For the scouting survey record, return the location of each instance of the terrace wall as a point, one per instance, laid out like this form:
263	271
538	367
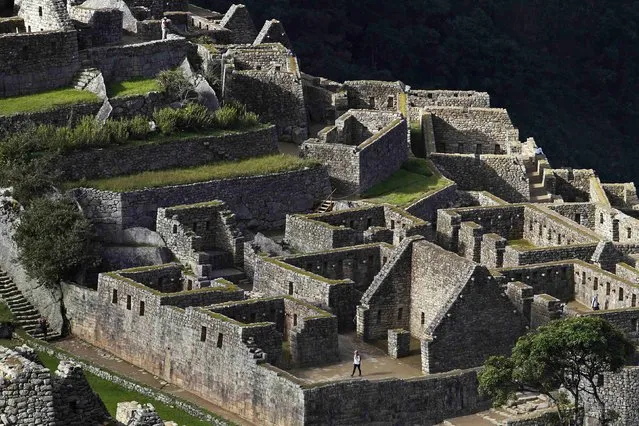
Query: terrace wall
176	153
37	61
259	202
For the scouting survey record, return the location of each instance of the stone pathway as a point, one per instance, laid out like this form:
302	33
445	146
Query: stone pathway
110	362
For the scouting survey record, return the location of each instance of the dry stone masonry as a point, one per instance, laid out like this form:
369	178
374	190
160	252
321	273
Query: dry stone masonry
265	326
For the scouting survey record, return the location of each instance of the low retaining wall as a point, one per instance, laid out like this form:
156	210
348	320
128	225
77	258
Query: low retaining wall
195	151
259	202
62	116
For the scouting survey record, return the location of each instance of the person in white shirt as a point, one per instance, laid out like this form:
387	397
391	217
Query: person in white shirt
357	361
165	23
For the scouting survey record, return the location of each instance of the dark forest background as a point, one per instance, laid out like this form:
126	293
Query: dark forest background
567	71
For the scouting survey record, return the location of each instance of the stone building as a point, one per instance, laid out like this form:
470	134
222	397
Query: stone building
502	242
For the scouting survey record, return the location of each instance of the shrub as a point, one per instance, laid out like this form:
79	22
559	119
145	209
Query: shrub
86	133
227	117
166	119
116	131
249	119
175	84
54	240
139	128
30	179
195	117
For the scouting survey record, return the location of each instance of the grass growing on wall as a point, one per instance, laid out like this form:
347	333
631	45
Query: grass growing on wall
223	170
410	183
133	87
45	101
522	244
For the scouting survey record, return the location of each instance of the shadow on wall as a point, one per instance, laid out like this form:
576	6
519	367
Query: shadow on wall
266	97
498	174
448	138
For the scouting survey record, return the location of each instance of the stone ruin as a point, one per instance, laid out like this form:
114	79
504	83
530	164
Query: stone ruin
426	290
31	394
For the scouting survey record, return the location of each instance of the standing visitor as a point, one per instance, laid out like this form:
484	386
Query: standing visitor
357	361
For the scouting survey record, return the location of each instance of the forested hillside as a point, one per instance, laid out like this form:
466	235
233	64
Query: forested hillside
568	71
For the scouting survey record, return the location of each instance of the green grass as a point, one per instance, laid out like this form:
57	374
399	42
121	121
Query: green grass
45	101
410	183
5	313
251	167
522	244
49	361
133	87
111	394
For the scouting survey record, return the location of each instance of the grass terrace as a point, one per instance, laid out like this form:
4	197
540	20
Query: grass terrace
135	87
413	181
230	169
45	101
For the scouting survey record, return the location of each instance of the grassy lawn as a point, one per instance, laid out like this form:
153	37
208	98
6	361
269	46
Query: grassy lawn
45	101
410	183
5	312
111	394
133	87
229	169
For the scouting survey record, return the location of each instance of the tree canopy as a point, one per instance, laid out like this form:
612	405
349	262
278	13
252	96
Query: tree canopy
571	354
54	240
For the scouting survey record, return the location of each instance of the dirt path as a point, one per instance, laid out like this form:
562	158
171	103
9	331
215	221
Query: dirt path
108	361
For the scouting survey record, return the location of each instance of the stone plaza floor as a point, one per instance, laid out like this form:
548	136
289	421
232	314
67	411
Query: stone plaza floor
376	364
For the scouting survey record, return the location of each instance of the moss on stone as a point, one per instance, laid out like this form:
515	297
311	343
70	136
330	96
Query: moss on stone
301	271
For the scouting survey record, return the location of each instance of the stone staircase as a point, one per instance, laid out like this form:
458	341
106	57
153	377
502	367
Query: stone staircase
538	193
525	406
326	206
84	77
25	314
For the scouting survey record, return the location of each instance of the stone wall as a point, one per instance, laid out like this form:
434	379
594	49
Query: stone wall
206	227
357	263
30	394
45	15
545	228
502	175
119	63
613	291
386	304
12	25
573	184
38	61
277	96
522	256
371	94
259	202
383	156
61	116
178	153
106	24
421	400
305	234
273	277
459	311
472	130
192	348
238	20
131	106
451	98
619	392
555	279
426	208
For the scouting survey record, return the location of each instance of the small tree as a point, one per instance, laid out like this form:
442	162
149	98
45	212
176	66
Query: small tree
176	85
54	240
570	354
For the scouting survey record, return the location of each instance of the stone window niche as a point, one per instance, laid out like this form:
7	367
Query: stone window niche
620	295
114	297
128	302
220	340
203	334
290	288
141	308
